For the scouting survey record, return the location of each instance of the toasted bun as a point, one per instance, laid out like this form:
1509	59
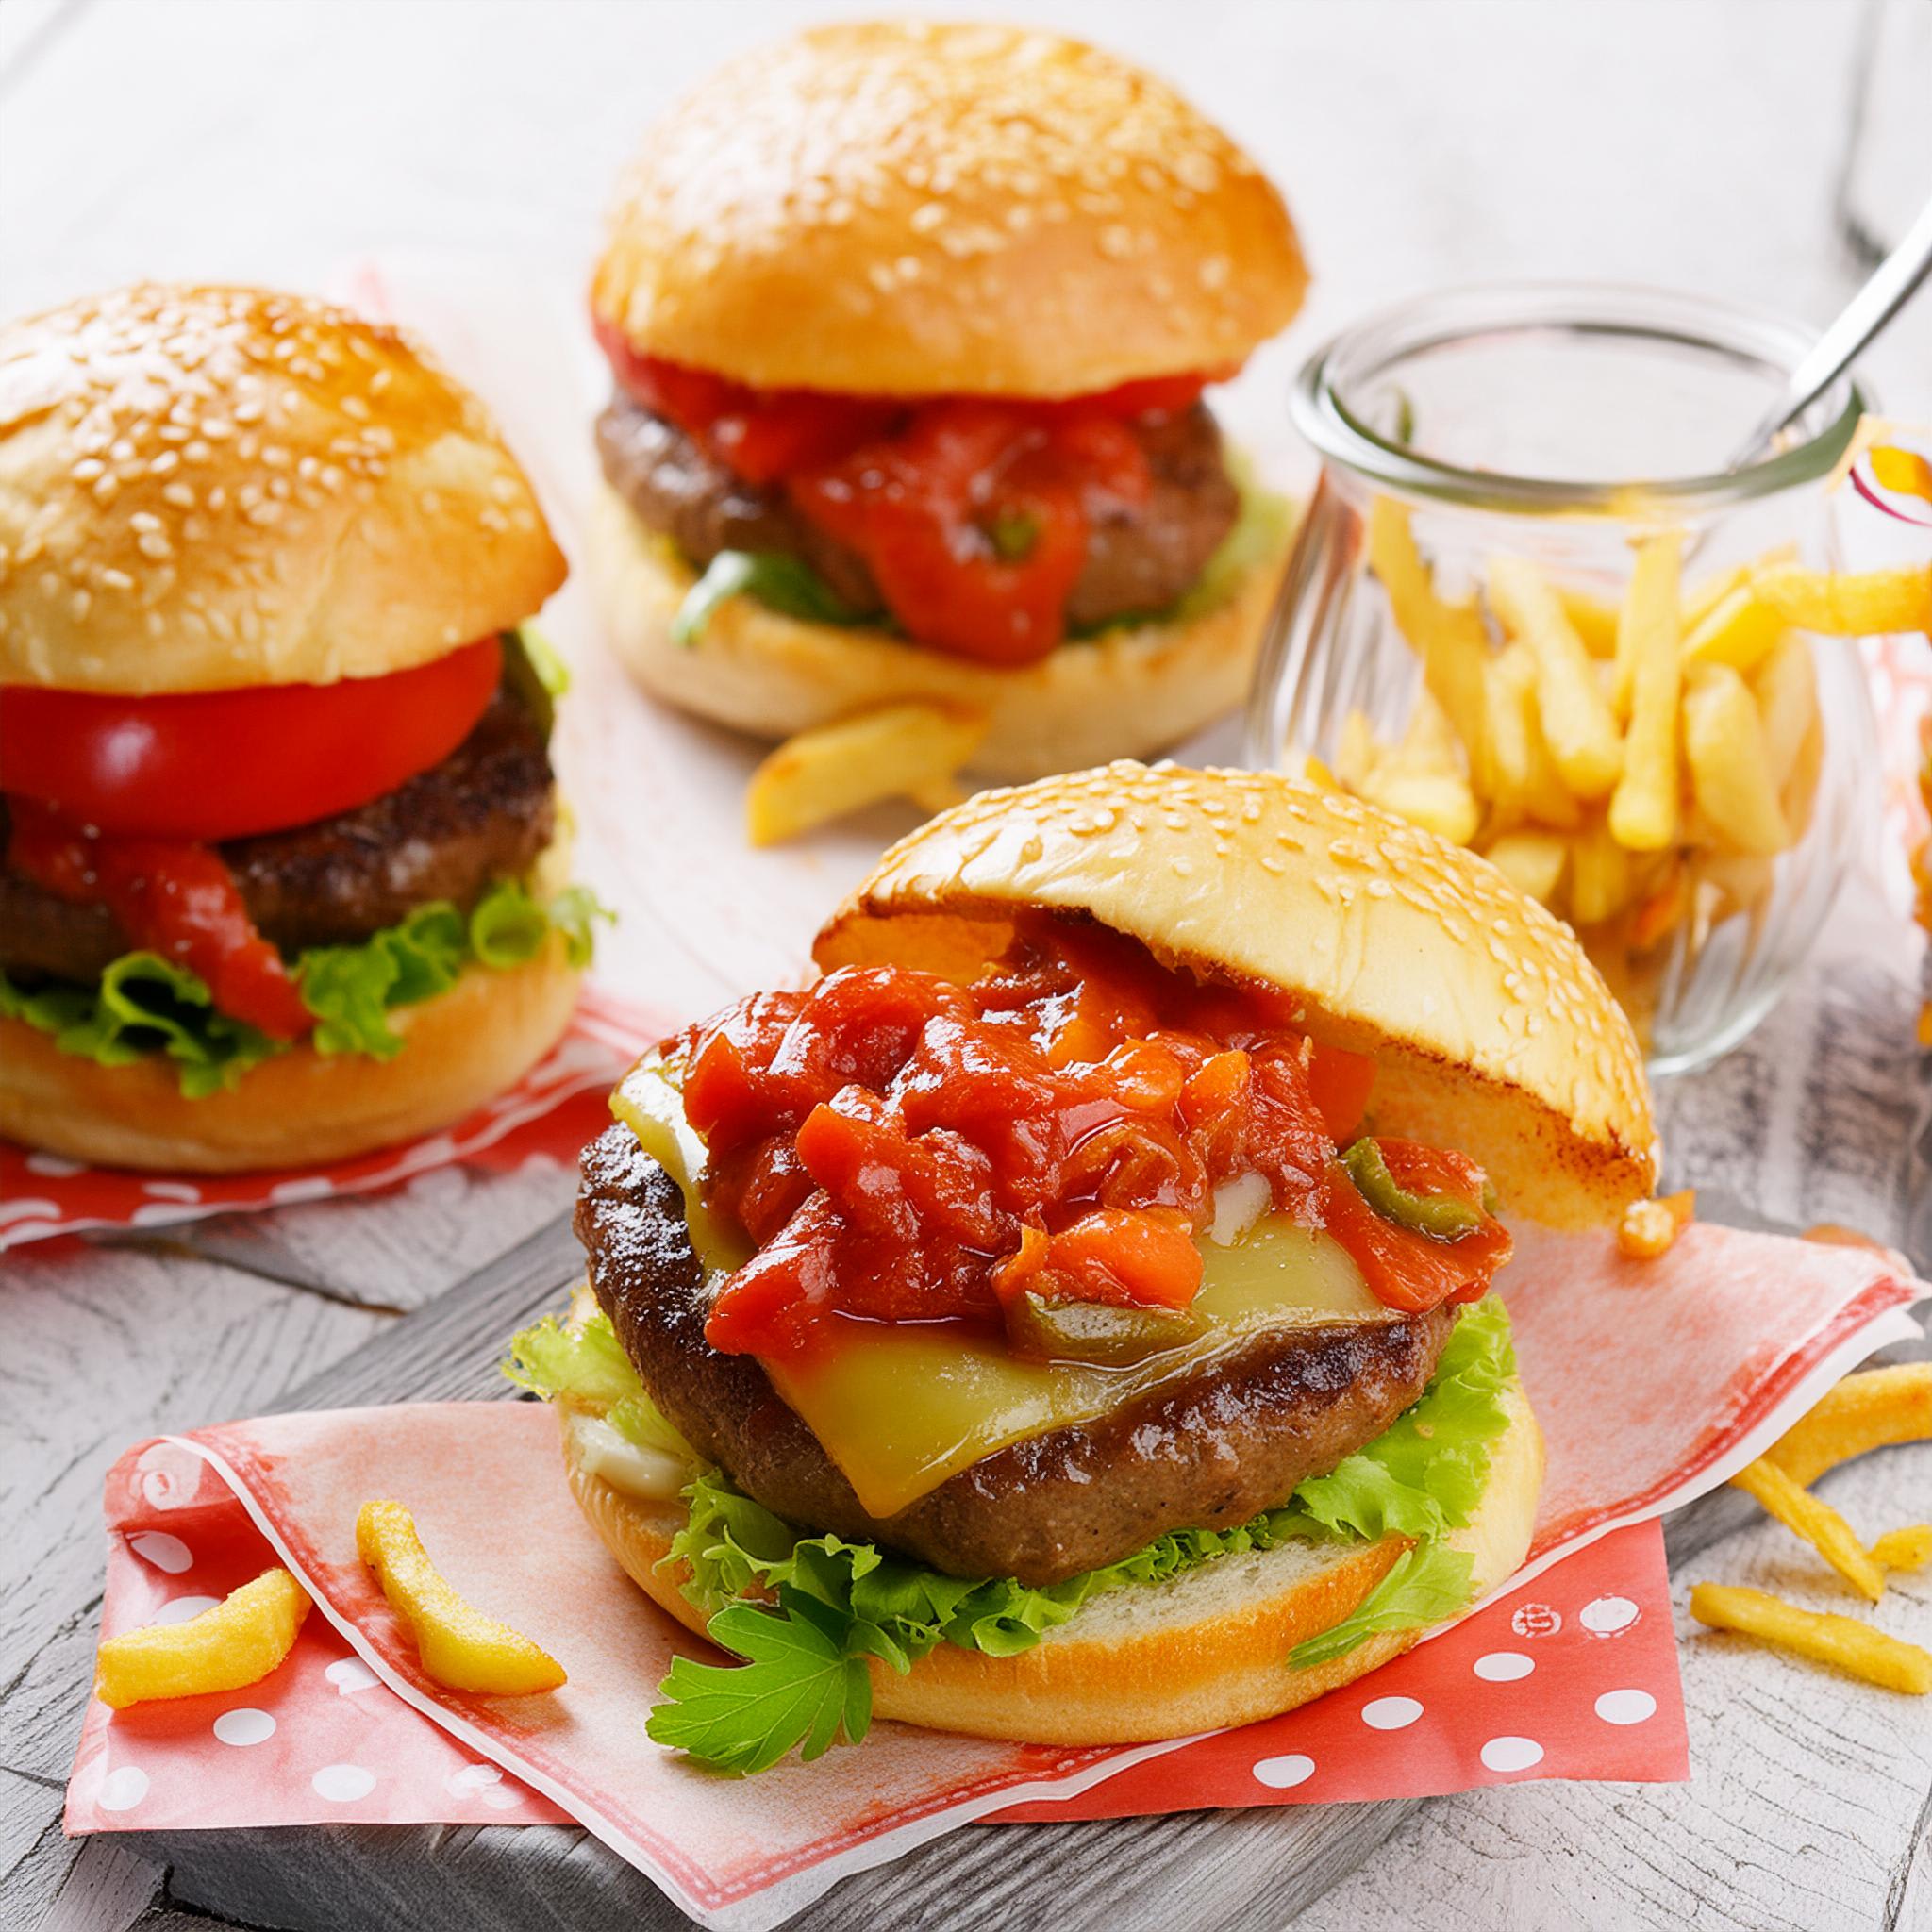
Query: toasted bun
1129	691
1492	1032
205	488
464	1048
1158	1661
909	208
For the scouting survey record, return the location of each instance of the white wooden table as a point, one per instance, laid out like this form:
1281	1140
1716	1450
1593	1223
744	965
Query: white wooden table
1687	142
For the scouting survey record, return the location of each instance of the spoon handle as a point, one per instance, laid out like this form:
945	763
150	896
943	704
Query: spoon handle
1885	293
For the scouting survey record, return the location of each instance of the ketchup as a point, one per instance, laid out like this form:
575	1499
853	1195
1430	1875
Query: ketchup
972	513
904	1149
173	897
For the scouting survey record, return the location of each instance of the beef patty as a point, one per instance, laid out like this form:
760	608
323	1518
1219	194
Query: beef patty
1139	558
1208	1451
483	814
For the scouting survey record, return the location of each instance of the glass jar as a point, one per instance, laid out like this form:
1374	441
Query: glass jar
1493	453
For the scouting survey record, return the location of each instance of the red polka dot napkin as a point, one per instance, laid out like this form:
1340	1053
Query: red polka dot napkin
544	1120
1653	1381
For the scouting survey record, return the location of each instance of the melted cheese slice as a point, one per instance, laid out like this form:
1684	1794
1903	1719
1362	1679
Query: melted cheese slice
900	1407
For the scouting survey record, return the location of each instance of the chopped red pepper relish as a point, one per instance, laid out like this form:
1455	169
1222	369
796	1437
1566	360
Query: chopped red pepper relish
971	512
903	1149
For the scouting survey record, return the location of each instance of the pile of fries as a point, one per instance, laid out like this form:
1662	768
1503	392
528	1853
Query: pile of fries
1862	1412
1637	767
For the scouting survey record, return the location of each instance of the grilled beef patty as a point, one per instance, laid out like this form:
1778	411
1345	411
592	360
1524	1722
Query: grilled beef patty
1208	1451
1140	559
483	814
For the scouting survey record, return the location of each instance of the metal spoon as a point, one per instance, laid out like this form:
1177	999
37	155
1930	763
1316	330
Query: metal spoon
1890	287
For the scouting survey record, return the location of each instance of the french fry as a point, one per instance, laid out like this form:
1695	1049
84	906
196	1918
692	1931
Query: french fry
1741	880
898	751
1448	638
1523	775
1644	807
1576	717
1662	910
1602	883
236	1643
1439	802
1534	862
1724	745
1849	604
1869	1410
459	1647
1701	599
1905	1549
1591	618
1355	750
1817	1522
1740	632
1842	1641
1648	1228
1785	687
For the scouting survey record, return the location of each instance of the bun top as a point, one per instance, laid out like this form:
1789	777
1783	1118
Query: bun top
911	208
1491	1031
204	488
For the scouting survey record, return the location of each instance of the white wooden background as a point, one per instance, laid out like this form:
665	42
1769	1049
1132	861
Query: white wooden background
1696	142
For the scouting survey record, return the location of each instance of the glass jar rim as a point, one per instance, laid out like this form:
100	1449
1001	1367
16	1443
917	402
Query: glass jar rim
1390	336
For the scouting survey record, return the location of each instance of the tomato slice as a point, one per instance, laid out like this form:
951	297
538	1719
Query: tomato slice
224	764
1403	1267
173	898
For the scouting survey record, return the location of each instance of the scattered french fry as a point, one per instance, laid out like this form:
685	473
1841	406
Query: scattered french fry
460	1648
898	751
1724	745
1534	862
1903	1549
1817	1522
237	1643
1644	807
1865	604
1648	1228
1576	717
1841	1641
1869	1410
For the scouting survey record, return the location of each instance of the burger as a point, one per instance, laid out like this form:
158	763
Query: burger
910	326
1069	1318
281	877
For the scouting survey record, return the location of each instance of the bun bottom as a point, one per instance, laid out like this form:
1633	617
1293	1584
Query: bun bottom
464	1048
1124	693
1204	1651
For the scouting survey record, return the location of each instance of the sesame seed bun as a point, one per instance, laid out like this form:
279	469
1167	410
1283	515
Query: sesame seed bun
1491	1031
1133	690
912	208
1202	1652
301	1109
208	488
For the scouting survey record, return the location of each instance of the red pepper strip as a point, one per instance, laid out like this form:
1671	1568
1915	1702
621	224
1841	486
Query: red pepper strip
172	897
1121	1257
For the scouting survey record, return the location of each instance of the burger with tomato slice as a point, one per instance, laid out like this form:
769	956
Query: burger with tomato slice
1071	1318
910	326
280	874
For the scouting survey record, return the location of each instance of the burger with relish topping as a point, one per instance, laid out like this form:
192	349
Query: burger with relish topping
910	326
280	872
1070	1317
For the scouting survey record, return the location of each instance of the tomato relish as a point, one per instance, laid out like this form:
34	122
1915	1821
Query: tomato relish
904	1149
972	513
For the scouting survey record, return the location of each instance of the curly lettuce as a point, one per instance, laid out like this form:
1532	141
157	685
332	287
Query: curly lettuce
807	1612
143	1004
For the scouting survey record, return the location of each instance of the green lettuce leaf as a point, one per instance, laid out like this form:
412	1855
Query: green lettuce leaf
586	1364
143	1004
785	584
1422	1477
